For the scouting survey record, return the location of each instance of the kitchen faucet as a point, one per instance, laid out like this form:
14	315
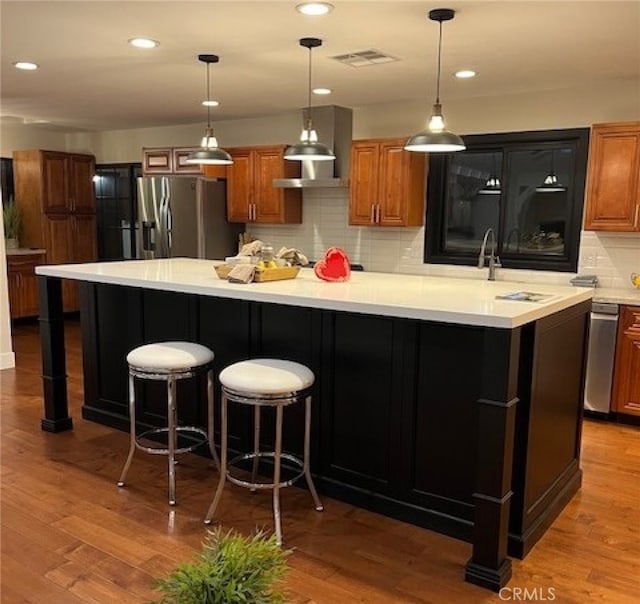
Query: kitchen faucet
494	261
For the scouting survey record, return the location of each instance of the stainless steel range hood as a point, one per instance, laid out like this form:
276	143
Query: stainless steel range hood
334	127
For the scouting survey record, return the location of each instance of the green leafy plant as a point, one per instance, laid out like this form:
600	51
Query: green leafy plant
231	569
12	220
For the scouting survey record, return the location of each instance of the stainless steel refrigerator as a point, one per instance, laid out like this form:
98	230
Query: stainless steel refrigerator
182	216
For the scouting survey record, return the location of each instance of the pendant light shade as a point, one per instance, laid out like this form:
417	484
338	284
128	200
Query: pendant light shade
209	152
436	139
551	184
309	147
493	186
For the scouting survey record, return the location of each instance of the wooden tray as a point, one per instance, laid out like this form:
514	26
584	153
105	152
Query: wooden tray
263	274
276	274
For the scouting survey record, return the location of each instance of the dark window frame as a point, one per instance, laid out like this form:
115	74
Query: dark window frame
577	138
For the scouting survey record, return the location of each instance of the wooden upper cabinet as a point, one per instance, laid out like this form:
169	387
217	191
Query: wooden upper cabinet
55	182
363	179
626	381
157	160
82	169
251	196
613	189
169	161
180	165
240	186
210	171
387	184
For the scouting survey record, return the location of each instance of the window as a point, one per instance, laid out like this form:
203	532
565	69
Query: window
526	186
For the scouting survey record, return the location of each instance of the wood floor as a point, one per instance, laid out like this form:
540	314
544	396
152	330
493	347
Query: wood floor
69	535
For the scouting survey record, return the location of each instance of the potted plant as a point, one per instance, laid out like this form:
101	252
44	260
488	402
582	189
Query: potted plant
12	220
230	569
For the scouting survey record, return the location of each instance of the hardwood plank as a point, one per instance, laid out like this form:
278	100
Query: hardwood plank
70	535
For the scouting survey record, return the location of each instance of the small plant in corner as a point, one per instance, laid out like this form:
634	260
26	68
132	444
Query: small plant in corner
12	220
230	569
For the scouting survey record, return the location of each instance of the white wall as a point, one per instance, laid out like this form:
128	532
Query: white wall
325	212
7	357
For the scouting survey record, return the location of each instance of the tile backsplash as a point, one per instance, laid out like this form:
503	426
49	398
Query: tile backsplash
611	256
400	250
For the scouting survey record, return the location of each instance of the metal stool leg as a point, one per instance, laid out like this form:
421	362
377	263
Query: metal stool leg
276	476
223	460
307	447
132	430
256	444
210	403
171	417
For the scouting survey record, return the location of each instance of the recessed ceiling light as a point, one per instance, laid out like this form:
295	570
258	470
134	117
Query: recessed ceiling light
314	8
143	42
26	65
464	74
210	103
322	91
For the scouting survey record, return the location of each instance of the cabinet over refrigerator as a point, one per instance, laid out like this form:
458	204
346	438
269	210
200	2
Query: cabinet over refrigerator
184	216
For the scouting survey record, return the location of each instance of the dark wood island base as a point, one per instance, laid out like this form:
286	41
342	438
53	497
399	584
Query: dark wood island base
468	430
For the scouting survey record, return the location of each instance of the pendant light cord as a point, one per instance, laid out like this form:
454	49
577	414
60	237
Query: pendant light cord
208	99
309	94
439	63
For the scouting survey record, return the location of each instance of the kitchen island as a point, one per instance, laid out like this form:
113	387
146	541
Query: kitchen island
435	401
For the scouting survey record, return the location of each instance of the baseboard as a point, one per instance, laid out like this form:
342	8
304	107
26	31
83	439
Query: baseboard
7	360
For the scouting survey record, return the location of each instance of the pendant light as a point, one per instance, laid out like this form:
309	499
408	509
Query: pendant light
435	139
551	184
309	147
493	186
209	152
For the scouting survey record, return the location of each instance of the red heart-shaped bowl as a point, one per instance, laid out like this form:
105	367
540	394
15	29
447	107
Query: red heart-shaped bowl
334	267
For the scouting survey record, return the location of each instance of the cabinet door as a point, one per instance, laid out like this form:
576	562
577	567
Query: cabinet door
614	178
364	182
214	171
180	165
157	160
240	186
274	205
29	287
15	299
393	170
82	193
84	238
59	238
55	182
626	382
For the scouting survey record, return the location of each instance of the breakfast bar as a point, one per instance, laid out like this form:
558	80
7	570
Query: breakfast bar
453	404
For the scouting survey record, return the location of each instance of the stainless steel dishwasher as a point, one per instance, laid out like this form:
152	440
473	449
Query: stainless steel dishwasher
601	352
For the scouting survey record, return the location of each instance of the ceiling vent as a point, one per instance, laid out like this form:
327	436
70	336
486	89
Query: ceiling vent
363	58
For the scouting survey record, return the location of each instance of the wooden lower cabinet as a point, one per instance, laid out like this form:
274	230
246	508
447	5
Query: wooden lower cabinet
626	380
23	284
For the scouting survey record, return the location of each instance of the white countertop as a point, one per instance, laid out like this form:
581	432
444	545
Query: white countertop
24	251
618	296
446	300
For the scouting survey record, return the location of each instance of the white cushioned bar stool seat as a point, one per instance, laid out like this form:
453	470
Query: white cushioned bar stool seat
266	383
169	361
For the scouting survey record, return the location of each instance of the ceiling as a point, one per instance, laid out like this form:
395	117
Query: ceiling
91	79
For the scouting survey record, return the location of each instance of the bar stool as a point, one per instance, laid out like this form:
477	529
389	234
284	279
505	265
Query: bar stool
169	361
266	383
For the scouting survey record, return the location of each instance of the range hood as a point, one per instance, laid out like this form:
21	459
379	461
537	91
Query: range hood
334	127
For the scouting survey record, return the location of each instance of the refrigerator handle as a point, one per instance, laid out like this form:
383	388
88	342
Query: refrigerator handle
148	236
165	220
